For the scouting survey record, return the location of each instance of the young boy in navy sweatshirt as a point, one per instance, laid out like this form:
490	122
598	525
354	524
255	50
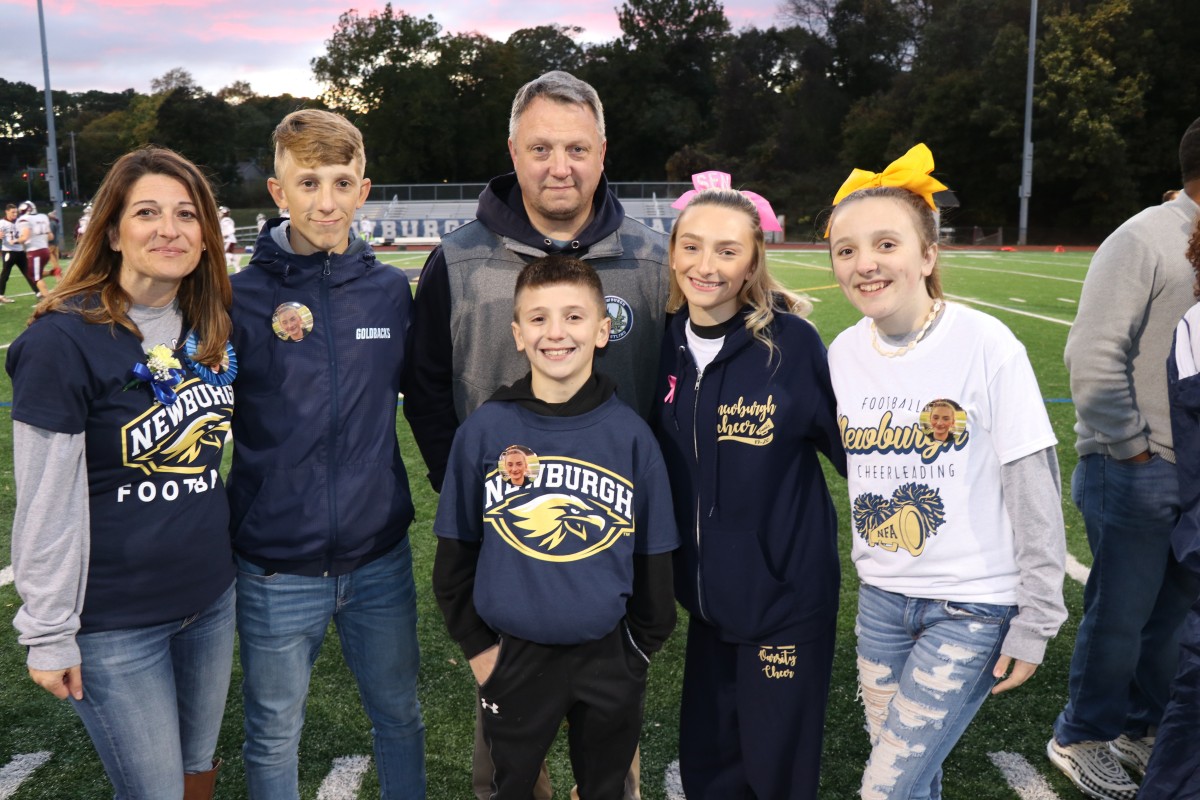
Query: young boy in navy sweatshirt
555	532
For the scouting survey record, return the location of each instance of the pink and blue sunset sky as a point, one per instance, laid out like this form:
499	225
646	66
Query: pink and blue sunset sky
114	45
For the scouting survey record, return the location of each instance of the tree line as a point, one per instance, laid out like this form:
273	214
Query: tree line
787	110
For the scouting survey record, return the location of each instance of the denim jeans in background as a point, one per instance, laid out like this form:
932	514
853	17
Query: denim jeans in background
1134	602
925	668
282	621
153	698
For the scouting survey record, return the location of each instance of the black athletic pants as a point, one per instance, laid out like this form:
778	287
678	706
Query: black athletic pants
15	258
598	687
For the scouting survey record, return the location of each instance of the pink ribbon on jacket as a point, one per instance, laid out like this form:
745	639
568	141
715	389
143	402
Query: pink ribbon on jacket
723	180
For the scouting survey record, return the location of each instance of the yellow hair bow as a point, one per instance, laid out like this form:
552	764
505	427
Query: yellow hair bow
910	171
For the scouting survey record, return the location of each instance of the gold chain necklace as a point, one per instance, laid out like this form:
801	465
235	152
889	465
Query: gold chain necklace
933	312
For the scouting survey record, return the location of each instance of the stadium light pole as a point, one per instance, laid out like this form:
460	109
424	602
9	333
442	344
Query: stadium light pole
52	144
1027	152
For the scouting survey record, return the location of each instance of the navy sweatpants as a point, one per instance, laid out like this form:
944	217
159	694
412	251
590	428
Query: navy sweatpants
752	716
1174	770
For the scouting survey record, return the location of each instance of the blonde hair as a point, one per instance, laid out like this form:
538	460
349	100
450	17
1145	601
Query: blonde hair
204	294
925	220
761	291
315	138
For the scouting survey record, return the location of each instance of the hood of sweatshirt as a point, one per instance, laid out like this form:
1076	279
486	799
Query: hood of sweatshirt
273	253
502	210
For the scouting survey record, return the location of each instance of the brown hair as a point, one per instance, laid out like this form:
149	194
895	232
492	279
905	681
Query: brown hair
317	138
204	294
557	269
761	291
924	220
1193	256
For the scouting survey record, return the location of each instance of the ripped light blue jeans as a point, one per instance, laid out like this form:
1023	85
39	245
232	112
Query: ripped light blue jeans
924	670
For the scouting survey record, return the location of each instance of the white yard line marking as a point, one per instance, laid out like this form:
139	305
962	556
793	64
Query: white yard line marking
672	782
1076	569
1013	272
1022	777
17	771
975	302
824	268
1065	300
344	780
1016	300
6	575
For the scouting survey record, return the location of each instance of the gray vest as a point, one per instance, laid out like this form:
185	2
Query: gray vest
482	269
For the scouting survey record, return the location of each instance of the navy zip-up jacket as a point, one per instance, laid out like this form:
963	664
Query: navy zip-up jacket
758	533
317	486
1184	394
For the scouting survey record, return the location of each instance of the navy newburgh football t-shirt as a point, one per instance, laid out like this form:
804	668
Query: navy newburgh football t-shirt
159	518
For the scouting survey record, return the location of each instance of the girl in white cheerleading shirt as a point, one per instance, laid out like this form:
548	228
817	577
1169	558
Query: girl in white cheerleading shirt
954	489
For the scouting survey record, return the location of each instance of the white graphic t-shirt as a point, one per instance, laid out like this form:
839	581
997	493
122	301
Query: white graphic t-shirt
925	435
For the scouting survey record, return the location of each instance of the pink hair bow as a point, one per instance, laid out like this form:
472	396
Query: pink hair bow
722	180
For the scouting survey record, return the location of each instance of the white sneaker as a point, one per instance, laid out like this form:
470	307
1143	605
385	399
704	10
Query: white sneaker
1093	768
1133	753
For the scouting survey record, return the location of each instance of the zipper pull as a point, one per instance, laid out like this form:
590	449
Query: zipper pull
326	270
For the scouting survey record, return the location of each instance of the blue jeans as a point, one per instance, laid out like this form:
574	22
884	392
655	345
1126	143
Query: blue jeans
282	621
153	698
924	669
1133	605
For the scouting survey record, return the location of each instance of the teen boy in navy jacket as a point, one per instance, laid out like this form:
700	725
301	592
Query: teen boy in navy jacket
318	495
554	513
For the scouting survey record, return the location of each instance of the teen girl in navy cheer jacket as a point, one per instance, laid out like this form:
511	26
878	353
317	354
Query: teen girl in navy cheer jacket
744	405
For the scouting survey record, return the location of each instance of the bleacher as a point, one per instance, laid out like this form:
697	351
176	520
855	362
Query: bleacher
419	215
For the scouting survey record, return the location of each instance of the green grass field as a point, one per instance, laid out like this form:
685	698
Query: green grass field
1035	294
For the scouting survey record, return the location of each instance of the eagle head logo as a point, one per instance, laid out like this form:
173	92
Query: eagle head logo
551	517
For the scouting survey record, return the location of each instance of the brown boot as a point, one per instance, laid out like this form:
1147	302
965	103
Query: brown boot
201	785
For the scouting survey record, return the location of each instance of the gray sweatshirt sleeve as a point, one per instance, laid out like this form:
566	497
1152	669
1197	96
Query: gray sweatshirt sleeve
1033	498
51	540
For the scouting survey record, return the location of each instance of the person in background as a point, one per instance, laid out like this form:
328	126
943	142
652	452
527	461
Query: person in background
13	253
1137	288
1173	771
229	234
34	234
55	238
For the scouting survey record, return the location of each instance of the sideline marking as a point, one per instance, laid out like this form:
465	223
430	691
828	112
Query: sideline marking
6	575
673	783
17	771
1014	272
1022	777
344	780
1076	569
975	302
